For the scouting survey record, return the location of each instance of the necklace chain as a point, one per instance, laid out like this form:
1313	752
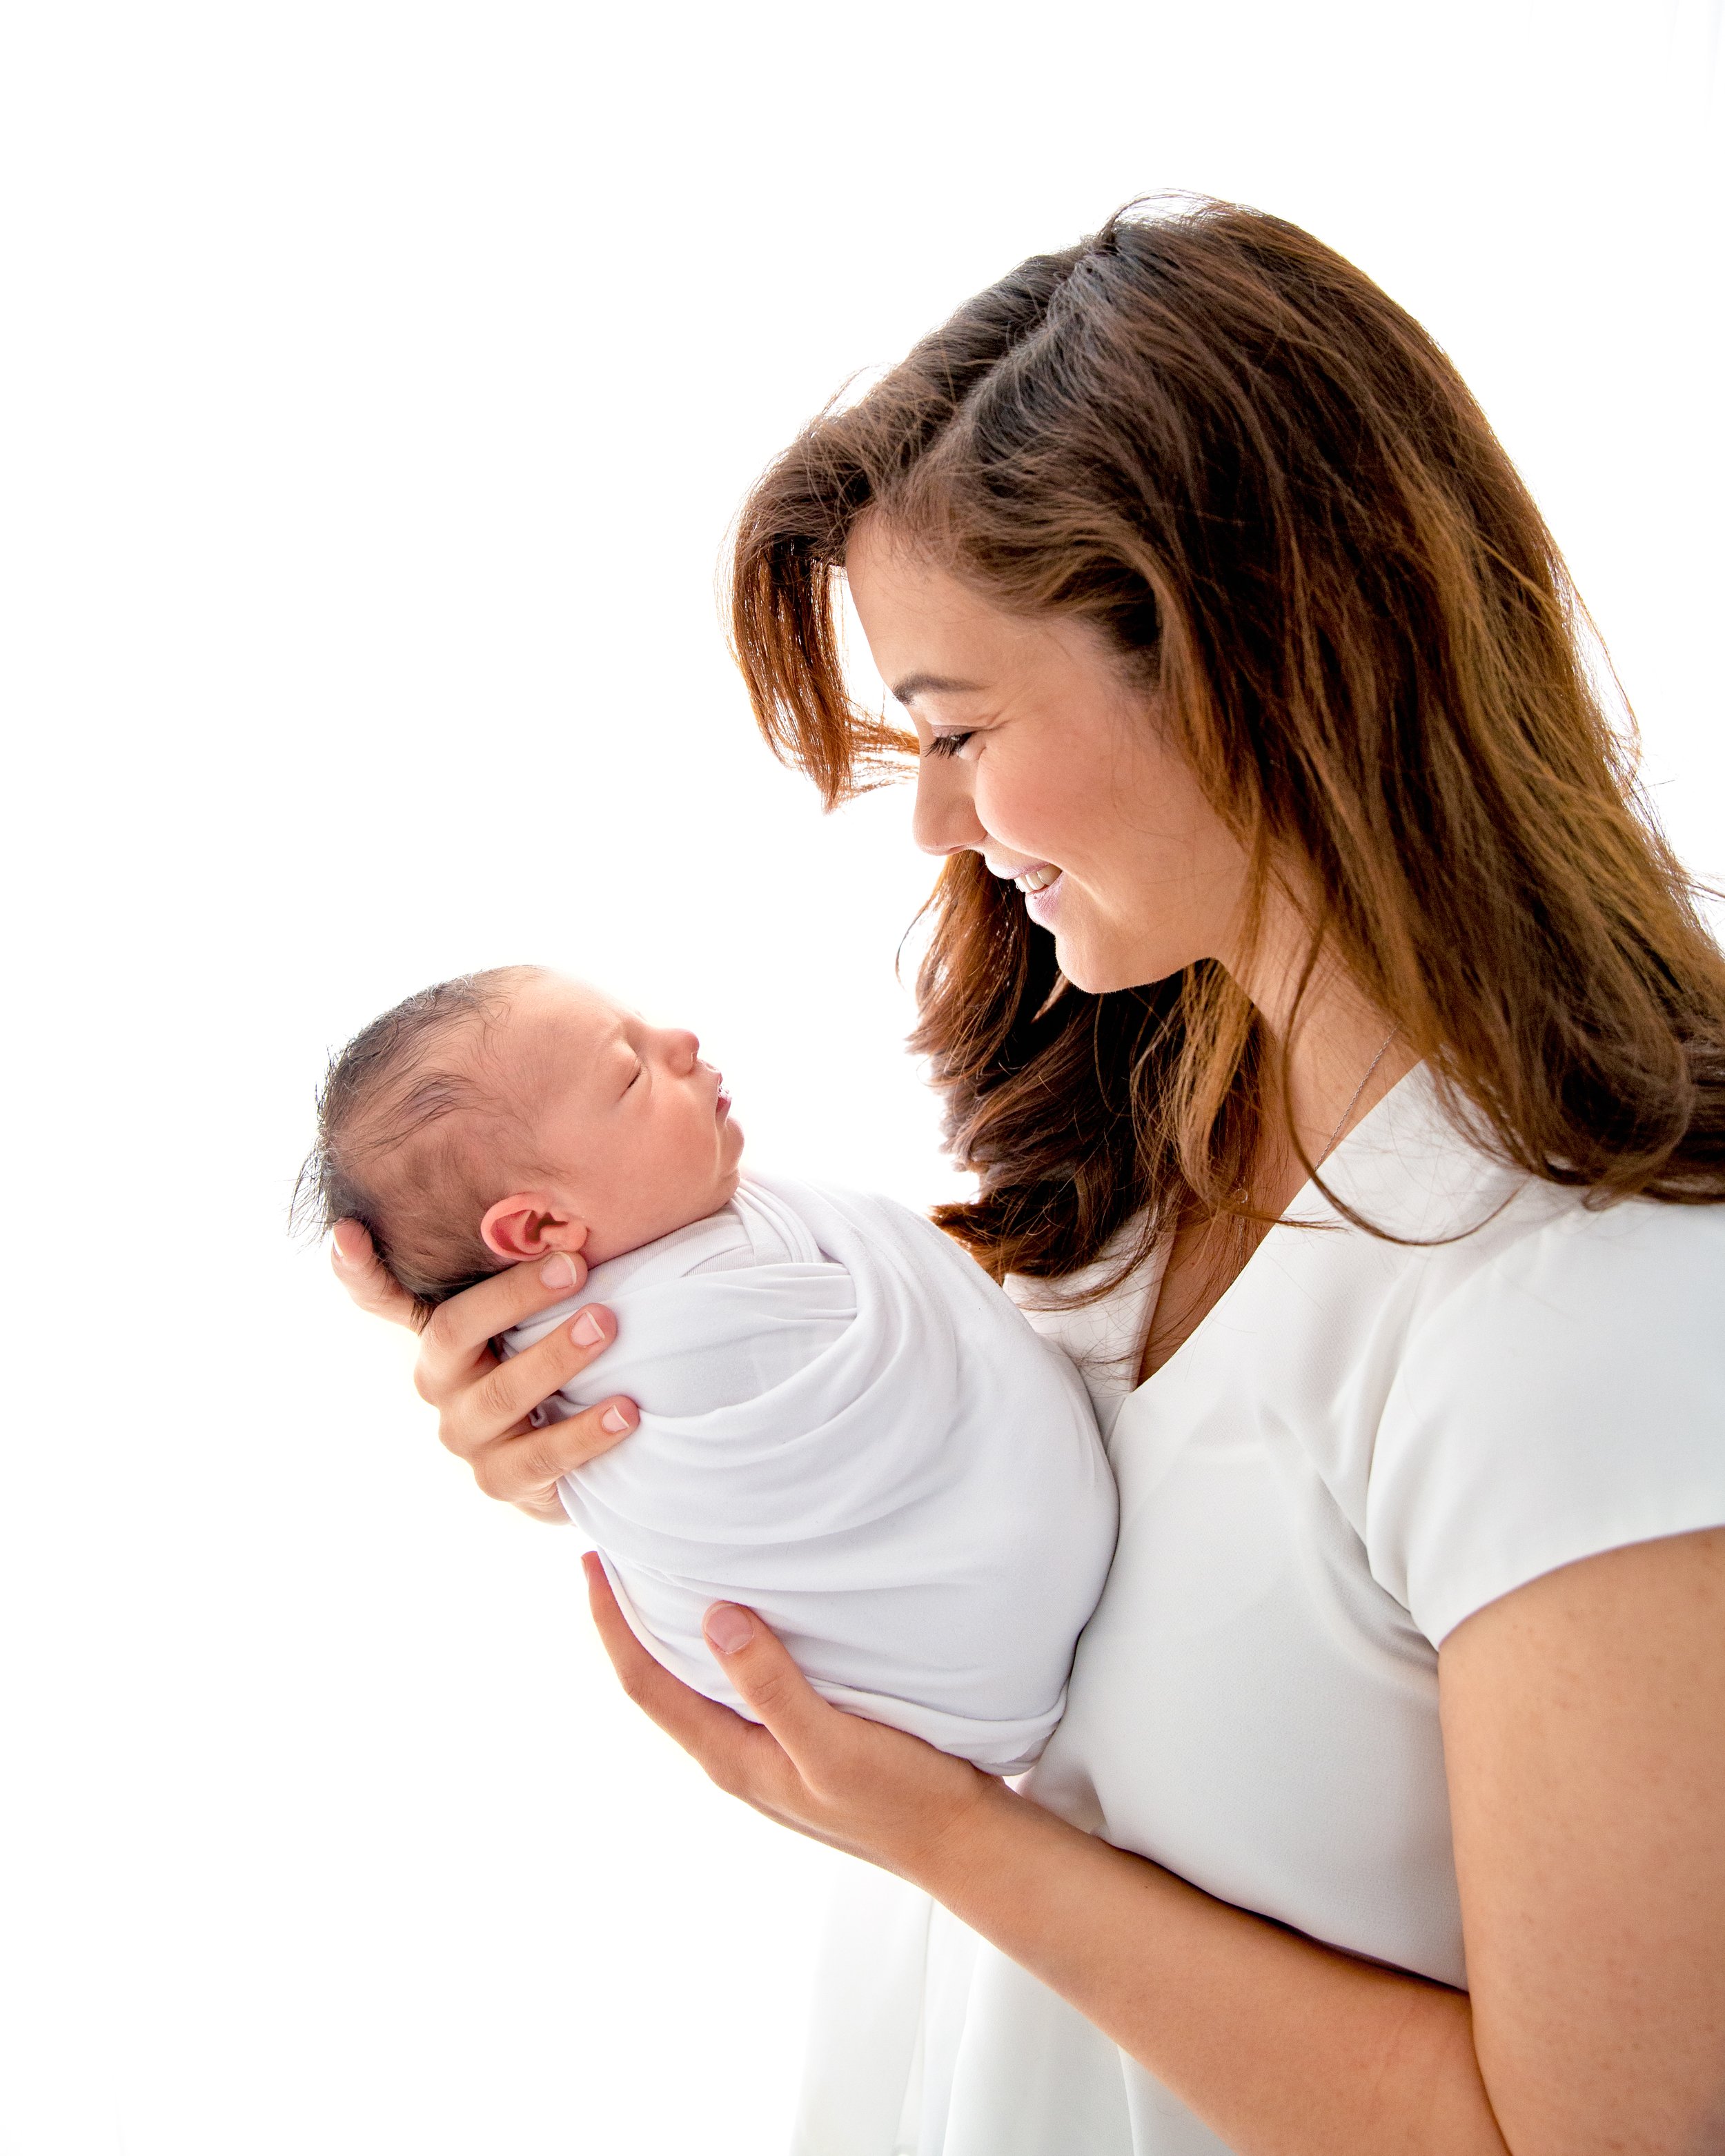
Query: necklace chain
1353	1101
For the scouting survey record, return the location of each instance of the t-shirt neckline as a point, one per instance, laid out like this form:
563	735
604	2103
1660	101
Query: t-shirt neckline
1404	1088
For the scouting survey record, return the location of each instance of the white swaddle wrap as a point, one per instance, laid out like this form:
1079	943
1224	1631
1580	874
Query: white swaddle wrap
846	1426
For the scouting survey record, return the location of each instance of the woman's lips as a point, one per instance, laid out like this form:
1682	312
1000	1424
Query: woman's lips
1041	887
1040	881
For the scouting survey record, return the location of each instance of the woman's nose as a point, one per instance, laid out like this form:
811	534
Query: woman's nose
945	820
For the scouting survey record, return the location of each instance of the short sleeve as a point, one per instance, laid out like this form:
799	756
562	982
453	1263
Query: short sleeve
1568	1397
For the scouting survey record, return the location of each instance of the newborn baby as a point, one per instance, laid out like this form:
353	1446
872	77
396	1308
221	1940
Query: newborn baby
844	1423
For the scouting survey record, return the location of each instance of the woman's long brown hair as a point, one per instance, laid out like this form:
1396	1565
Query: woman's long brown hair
1209	435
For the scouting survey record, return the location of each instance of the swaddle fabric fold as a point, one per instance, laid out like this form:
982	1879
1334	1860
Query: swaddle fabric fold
847	1426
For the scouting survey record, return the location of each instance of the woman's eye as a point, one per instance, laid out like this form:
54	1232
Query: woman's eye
949	744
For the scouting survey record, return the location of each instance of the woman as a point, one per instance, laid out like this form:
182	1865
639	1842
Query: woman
1343	1061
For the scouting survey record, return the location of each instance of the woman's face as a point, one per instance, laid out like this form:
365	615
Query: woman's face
1038	755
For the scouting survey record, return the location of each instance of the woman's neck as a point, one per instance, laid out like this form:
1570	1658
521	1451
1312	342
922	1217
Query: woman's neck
1339	1052
1344	1055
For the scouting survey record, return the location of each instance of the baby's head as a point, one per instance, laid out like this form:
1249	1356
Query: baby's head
496	1117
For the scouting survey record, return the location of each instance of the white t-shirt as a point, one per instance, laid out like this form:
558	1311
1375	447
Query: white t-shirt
1364	1442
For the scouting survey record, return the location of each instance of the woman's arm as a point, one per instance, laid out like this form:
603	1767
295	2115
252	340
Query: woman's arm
483	1404
1585	1733
1585	1719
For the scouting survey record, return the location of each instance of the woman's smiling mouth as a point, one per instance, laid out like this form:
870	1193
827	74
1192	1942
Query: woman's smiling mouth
1040	881
1028	876
1042	889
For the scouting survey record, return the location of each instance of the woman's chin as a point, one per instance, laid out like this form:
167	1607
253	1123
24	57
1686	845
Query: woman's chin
1101	973
1086	967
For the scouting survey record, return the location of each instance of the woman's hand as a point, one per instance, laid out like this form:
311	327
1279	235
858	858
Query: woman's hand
483	1404
855	1784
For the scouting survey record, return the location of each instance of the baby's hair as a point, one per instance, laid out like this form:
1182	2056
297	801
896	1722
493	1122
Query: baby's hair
395	1147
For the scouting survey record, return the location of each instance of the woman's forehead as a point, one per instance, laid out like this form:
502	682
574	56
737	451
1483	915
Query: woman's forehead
930	633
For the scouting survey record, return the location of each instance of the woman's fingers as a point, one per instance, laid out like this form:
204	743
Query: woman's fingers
775	1691
355	1263
721	1741
843	1779
498	1396
758	1664
484	1404
524	1468
738	1755
460	1330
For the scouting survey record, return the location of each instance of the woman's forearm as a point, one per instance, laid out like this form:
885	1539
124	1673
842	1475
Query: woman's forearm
1282	2047
1285	2048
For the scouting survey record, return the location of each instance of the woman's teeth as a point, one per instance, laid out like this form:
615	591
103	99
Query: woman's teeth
1037	879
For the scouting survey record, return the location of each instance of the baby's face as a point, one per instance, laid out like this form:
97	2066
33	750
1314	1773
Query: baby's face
632	1131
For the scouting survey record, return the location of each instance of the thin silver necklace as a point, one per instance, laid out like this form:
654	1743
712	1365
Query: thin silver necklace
1354	1101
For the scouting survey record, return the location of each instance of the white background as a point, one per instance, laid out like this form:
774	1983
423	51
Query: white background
379	382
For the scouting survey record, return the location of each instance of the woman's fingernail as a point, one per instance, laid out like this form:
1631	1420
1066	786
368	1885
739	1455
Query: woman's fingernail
587	1332
615	1420
558	1270
729	1627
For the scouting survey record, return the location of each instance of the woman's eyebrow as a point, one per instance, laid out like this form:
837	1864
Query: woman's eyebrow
923	684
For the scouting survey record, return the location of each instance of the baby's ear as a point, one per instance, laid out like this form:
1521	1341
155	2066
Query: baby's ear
528	1224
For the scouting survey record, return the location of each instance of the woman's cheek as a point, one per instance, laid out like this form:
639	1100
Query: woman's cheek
1059	802
1013	806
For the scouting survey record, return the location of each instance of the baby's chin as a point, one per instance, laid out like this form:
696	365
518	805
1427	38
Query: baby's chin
731	1146
730	1175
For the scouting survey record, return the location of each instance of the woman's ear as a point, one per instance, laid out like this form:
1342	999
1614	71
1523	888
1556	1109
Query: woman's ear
528	1224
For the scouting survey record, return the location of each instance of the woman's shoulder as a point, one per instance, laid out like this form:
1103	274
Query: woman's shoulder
1638	1255
1553	1266
1563	1395
1422	1172
1578	1310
